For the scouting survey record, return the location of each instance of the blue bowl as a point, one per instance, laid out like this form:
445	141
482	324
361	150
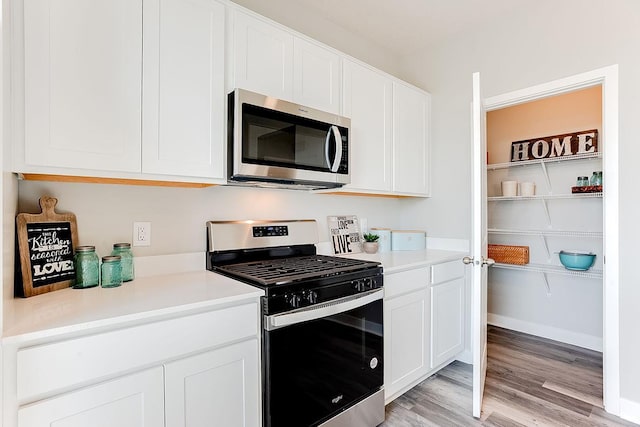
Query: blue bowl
580	261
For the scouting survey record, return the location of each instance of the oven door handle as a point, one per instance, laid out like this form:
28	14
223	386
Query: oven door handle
319	311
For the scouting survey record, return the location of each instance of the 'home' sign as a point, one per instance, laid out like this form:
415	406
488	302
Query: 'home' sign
570	144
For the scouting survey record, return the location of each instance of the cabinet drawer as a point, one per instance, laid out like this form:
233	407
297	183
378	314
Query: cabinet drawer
405	281
446	271
45	368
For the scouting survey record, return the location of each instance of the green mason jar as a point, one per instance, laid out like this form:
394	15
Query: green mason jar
87	266
111	271
124	251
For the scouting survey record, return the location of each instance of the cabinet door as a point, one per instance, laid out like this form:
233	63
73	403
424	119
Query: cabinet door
406	340
263	57
367	101
183	92
219	387
411	109
136	400
447	320
82	84
316	76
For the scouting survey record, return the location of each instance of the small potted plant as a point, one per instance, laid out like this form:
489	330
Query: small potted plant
370	245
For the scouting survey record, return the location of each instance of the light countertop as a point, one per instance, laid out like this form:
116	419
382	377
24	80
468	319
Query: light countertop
71	311
396	261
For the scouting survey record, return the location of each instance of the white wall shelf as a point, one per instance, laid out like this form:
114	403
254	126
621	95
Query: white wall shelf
507	165
551	269
547	233
546	197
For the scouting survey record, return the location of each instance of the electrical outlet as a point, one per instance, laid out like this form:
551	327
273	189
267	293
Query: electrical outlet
141	234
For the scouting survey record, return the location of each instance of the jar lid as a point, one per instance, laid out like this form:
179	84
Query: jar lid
122	245
583	177
85	249
111	258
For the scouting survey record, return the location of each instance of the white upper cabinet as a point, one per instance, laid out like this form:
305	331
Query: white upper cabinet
262	57
82	84
367	100
183	88
316	76
411	112
270	60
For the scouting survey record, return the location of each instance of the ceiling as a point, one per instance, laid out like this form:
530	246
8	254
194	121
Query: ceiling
404	26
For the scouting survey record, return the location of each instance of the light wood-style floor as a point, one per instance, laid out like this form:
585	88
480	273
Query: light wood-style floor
531	381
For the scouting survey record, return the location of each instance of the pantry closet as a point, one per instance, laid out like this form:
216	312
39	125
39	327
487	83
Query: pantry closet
541	297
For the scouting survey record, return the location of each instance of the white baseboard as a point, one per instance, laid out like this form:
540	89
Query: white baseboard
630	411
563	335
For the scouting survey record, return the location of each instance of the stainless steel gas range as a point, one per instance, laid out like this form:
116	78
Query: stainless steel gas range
322	343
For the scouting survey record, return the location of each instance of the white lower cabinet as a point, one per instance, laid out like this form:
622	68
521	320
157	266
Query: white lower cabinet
219	385
152	374
424	316
406	340
135	400
447	320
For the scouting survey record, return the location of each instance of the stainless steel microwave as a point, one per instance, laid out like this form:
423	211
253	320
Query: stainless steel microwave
277	143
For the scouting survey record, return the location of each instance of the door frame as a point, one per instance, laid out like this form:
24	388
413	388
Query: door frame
608	78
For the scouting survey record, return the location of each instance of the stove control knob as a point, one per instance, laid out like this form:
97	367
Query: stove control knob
294	300
358	285
310	296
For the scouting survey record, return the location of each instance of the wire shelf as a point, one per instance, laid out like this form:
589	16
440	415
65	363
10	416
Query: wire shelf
553	269
508	165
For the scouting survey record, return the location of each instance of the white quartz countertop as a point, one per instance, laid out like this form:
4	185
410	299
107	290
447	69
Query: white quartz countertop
396	261
70	311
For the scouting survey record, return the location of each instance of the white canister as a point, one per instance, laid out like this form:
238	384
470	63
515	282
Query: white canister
509	188
527	189
408	240
384	242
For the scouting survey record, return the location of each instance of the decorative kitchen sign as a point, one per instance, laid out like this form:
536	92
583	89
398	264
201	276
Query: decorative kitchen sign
45	244
345	235
566	145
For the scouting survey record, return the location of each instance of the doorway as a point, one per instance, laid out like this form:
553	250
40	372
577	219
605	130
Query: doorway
607	78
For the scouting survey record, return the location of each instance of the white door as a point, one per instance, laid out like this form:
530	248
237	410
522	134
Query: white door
135	400
317	76
262	57
183	88
410	140
479	260
82	84
367	100
217	388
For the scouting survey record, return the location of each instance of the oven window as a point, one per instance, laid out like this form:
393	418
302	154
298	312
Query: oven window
273	138
315	369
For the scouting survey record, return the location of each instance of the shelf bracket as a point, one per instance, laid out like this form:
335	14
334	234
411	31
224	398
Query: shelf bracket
546	283
546	246
546	177
546	211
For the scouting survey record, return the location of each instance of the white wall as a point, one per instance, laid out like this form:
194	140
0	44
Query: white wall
551	40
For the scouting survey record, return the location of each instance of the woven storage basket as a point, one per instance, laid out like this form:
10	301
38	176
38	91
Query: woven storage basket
508	254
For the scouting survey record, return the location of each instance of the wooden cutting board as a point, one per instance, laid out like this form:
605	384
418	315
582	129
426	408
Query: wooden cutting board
46	243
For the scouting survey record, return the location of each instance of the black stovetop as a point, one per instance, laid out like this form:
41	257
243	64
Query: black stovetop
271	272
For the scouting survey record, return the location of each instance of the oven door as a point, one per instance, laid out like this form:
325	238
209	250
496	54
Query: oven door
319	361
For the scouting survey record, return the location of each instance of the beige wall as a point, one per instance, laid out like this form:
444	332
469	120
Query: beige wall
571	112
550	41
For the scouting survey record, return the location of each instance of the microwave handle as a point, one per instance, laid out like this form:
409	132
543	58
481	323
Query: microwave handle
333	166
